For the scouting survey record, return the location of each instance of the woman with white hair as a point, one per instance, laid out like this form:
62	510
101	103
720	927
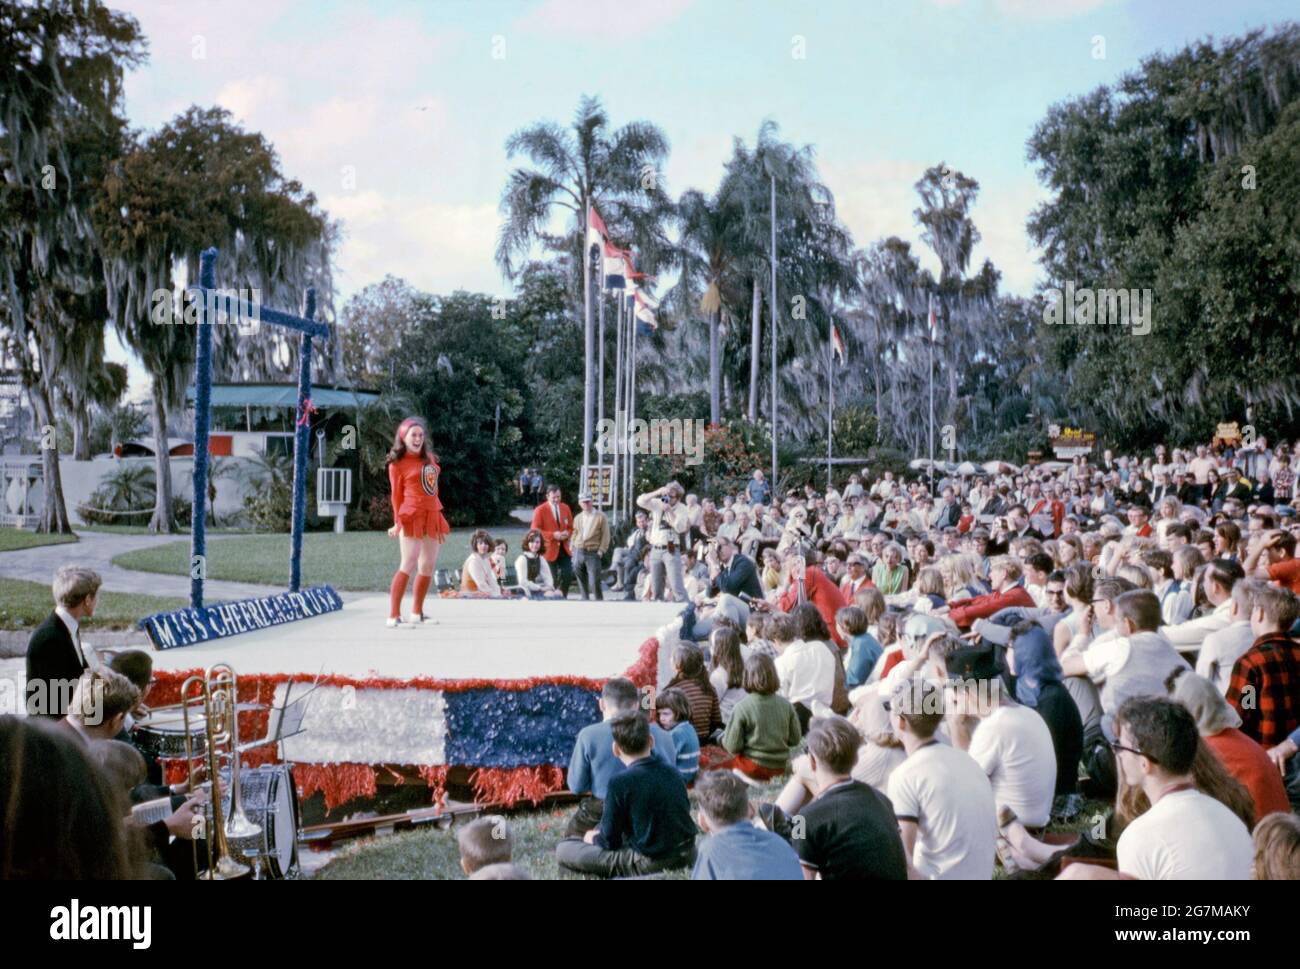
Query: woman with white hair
797	530
1168	512
889	575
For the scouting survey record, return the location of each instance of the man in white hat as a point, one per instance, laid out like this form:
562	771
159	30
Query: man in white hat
590	540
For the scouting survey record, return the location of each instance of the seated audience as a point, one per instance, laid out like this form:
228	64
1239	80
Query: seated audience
674	713
593	763
1009	741
764	727
646	824
1277	848
690	677
941	796
849	831
735	849
1244	759
1265	683
484	841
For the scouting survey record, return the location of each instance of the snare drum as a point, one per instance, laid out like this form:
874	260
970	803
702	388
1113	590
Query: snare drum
269	799
163	735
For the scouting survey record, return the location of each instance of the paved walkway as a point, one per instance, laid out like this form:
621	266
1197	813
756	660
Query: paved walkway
96	550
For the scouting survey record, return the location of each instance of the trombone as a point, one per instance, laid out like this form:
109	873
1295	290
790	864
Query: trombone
218	691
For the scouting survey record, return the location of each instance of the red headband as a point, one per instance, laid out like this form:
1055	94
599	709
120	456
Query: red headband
406	425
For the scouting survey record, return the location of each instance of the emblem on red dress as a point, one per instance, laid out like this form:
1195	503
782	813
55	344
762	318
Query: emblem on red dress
429	479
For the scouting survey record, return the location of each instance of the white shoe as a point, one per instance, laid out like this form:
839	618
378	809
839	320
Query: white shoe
393	622
416	619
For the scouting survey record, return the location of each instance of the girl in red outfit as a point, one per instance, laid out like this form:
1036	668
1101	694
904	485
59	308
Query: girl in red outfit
418	524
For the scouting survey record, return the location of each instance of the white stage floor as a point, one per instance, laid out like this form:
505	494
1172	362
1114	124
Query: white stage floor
474	638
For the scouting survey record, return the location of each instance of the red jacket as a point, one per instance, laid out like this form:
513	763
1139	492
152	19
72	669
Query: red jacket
963	612
544	521
822	593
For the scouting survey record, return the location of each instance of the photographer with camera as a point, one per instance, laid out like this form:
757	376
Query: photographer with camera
669	523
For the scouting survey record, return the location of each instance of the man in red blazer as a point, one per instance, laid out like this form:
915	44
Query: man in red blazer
1008	590
554	520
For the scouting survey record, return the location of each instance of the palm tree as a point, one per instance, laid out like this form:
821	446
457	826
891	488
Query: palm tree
619	172
711	260
799	194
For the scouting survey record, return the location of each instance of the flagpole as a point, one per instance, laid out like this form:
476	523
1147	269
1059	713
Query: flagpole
615	498
632	403
772	255
629	321
587	336
830	404
600	380
931	326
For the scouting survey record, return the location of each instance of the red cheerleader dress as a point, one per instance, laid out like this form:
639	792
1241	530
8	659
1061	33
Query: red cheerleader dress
416	508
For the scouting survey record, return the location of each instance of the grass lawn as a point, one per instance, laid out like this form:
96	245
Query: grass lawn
359	561
24	605
12	539
432	854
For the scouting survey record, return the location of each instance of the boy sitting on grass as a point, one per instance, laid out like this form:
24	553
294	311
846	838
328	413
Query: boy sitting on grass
735	850
646	826
484	841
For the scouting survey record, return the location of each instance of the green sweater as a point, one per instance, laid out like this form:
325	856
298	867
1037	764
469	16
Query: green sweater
763	728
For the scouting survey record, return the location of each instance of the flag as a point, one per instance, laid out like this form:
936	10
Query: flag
934	320
837	343
597	235
645	314
615	264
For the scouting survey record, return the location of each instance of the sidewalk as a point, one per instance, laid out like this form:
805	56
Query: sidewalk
96	550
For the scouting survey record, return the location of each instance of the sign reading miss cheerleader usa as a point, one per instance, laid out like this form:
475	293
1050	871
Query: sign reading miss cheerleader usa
186	627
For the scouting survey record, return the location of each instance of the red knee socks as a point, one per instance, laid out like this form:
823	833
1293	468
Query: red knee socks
421	587
395	593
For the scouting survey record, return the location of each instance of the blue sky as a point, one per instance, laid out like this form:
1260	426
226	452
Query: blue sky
415	100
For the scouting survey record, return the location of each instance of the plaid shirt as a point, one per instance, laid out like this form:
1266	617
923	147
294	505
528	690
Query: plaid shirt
1265	689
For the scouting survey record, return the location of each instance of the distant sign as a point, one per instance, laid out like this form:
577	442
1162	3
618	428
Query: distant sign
1227	433
186	627
1070	442
600	482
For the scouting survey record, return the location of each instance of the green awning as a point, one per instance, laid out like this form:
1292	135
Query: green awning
283	395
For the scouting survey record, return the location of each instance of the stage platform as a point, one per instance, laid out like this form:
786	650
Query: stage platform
496	691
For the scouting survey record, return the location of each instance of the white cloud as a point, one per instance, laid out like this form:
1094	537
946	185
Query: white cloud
601	20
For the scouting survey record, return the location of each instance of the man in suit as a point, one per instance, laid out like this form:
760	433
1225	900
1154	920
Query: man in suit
1018	527
731	572
627	560
554	519
56	657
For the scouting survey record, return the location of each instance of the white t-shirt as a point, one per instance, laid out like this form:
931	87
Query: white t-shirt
949	797
1014	747
807	674
1220	652
1187	835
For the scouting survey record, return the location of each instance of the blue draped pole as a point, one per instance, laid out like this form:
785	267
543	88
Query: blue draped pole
202	422
301	447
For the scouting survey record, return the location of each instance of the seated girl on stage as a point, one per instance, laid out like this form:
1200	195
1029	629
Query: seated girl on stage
477	575
500	549
533	572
